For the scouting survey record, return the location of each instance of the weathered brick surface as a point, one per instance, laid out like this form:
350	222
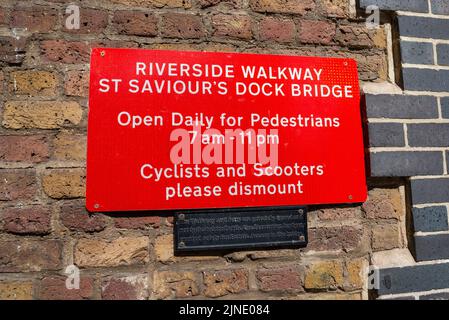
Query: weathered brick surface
33	83
74	216
30	255
233	26
15	148
324	275
223	282
138	221
137	23
29	220
42	114
280	278
17	184
182	25
156	3
65	183
359	37
125	288
65	51
70	146
273	29
4	16
175	284
54	288
16	290
77	83
282	6
103	253
91	21
34	18
316	32
345	238
386	237
383	204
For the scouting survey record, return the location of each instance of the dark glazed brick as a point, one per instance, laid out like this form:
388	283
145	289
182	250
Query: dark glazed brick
425	79
399	106
406	163
430	219
435	296
404	5
414	278
440	7
443	54
430	190
422	27
432	247
417	52
386	135
445	107
428	135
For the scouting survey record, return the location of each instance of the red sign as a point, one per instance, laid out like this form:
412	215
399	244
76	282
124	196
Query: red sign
188	130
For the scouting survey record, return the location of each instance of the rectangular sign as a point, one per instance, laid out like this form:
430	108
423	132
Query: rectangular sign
194	130
240	228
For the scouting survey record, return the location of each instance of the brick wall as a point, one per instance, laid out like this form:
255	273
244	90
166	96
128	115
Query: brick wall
43	107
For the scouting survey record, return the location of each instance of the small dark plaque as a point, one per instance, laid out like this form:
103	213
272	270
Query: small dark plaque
242	228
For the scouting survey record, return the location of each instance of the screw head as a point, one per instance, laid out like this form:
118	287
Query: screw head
181	216
96	206
182	244
300	211
302	238
350	197
102	53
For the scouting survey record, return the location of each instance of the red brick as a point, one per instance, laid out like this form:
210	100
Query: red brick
29	255
282	6
65	51
283	278
28	220
233	26
91	21
4	16
344	238
223	282
136	23
137	221
24	148
316	32
35	18
338	213
357	36
77	83
54	288
126	288
277	30
76	51
75	217
383	204
182	25
17	184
